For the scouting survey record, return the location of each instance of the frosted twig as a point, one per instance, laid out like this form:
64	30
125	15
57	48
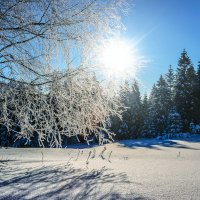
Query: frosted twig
109	156
77	155
101	154
94	153
87	162
42	157
74	105
69	160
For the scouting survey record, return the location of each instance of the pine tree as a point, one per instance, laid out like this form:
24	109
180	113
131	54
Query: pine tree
121	127
181	88
191	106
161	104
174	123
136	111
131	123
149	125
145	106
126	116
197	94
170	78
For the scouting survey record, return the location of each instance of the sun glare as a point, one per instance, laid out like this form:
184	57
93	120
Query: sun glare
118	59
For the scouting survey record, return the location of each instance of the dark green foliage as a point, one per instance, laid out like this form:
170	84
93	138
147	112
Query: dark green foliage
170	79
145	116
132	117
174	123
125	96
149	129
160	104
119	126
191	80
136	111
197	95
145	105
183	89
174	103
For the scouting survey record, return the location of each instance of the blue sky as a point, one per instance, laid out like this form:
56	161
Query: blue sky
163	28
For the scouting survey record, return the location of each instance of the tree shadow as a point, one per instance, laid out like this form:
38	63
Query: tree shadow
191	138
81	146
63	182
157	143
149	143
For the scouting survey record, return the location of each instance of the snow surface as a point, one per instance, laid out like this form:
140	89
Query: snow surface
130	169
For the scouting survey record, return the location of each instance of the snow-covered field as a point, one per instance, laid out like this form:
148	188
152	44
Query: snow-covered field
132	169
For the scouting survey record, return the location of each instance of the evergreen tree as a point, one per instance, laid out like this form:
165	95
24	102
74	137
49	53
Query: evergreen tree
173	104
126	116
145	106
161	104
136	111
145	115
197	94
191	106
174	123
121	127
149	124
131	123
170	78
181	88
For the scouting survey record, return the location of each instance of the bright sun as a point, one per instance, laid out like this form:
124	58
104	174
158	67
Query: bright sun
118	58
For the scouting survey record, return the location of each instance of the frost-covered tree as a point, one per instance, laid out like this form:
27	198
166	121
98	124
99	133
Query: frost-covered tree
122	127
174	123
39	96
75	106
36	34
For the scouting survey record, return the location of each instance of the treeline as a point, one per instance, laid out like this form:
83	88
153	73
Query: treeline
173	105
69	112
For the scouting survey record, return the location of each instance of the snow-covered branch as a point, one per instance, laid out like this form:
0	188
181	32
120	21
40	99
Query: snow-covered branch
34	34
72	106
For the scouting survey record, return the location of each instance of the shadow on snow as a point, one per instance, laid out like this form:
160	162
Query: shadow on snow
157	143
63	182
